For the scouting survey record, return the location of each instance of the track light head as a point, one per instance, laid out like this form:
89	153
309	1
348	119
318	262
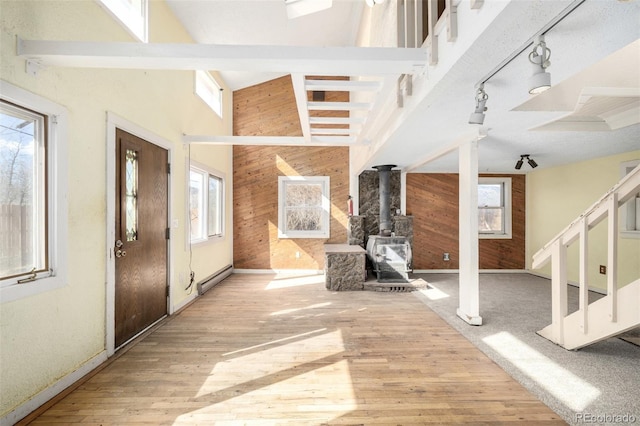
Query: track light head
523	157
477	117
540	58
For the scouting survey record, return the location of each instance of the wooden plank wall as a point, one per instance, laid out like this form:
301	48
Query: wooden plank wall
270	109
255	204
267	109
432	199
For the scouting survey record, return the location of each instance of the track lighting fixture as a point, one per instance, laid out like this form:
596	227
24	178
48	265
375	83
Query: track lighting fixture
520	162
540	57
477	117
372	3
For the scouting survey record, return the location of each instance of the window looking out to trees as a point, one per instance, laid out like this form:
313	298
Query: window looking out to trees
494	207
303	207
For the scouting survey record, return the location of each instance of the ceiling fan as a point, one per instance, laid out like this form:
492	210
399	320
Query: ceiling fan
297	8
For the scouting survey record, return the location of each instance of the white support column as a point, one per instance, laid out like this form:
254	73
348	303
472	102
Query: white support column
558	290
584	279
354	185
612	257
469	287
403	193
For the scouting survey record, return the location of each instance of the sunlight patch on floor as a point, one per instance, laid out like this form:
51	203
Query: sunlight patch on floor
433	293
574	392
305	393
280	361
289	311
295	281
274	342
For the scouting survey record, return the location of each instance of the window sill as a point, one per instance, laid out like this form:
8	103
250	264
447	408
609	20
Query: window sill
630	234
10	292
299	236
494	236
205	241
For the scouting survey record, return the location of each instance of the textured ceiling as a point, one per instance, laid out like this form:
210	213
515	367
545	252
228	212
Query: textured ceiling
587	52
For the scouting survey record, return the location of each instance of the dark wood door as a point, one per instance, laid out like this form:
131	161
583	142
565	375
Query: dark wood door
141	235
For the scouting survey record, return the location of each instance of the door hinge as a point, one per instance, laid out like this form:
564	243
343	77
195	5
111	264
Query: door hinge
167	234
168	168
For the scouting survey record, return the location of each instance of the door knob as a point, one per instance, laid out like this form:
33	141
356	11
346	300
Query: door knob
119	243
121	253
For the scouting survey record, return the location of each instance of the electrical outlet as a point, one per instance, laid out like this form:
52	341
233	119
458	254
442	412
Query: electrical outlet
446	257
297	255
603	269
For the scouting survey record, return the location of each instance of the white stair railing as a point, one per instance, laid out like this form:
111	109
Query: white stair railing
555	251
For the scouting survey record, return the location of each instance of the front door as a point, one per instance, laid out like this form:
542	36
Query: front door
141	235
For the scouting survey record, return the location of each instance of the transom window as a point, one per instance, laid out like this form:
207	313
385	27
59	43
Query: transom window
132	14
303	207
206	204
209	91
494	207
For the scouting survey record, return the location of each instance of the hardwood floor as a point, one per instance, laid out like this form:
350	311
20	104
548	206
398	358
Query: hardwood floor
260	349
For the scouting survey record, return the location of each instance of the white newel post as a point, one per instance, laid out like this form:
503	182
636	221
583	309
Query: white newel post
469	305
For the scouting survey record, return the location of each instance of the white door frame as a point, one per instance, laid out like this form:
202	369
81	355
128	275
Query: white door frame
113	122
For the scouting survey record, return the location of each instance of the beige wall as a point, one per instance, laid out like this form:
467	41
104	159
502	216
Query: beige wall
557	196
47	336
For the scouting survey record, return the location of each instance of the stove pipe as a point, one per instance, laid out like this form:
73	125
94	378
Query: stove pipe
384	176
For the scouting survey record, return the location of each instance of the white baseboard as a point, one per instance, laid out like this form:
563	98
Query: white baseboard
47	394
175	308
280	271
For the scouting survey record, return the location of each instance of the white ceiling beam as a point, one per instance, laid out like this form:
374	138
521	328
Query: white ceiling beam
301	102
269	140
476	133
338	106
327	131
336	120
337	61
343	85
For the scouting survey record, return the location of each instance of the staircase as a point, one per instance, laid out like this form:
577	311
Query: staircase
619	310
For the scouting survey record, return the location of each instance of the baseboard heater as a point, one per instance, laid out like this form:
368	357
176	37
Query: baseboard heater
214	279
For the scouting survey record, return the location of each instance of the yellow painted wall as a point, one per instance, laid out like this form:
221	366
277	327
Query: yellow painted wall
47	336
558	195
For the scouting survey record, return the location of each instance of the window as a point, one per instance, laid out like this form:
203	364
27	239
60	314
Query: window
206	204
209	91
630	211
494	207
303	207
133	14
32	193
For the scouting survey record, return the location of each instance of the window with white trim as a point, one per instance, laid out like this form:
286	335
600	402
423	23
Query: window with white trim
209	91
494	207
132	14
303	207
206	204
630	211
32	193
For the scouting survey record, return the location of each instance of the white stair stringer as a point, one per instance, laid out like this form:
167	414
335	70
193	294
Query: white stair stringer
599	322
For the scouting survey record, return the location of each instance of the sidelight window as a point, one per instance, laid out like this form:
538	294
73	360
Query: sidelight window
32	193
206	204
494	207
303	207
